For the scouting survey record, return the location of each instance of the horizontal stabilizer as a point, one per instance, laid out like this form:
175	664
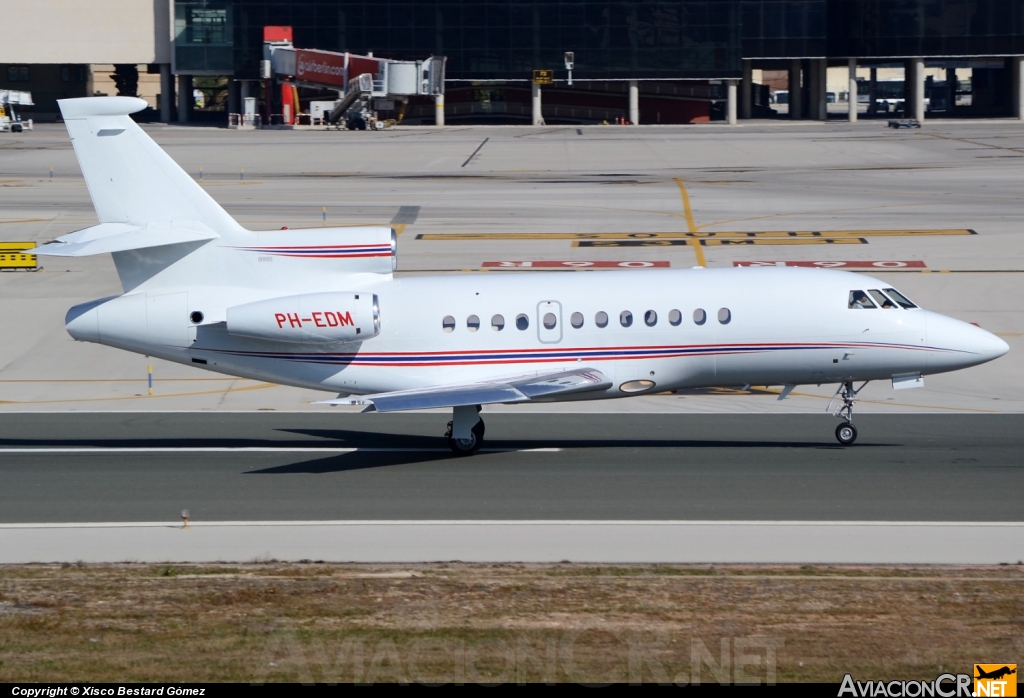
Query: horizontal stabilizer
519	389
119	237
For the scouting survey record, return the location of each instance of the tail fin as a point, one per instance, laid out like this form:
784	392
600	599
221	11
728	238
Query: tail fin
130	178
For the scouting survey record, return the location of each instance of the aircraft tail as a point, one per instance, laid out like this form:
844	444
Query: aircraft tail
130	178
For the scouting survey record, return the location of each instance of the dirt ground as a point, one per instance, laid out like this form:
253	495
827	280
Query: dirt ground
443	623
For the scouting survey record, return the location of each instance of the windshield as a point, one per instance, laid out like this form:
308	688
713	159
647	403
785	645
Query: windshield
899	298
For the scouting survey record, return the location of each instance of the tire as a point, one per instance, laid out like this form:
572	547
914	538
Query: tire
846	434
16	128
467	447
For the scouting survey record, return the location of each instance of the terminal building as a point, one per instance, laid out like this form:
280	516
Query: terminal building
637	61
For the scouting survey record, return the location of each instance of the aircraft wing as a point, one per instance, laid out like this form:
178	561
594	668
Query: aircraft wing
518	389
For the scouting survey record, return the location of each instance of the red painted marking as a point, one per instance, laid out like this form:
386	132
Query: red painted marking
318	320
280	317
293	320
331	318
345	318
856	264
572	264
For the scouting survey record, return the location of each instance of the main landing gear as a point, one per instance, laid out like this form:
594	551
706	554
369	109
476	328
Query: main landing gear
846	433
465	433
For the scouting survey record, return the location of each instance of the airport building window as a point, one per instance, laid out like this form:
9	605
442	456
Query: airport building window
859	300
881	299
522	322
699	316
625	318
448	323
724	316
473	323
576	319
674	317
550	321
650	318
601	319
497	323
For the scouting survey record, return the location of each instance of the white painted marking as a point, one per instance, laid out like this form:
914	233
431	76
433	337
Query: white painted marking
257	449
513	522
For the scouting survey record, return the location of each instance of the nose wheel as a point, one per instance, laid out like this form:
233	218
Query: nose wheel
846	433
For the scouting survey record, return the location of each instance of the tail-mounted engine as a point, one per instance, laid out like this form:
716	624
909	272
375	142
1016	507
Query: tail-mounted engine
323	318
371	250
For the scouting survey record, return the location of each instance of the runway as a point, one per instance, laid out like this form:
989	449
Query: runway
604	488
104	467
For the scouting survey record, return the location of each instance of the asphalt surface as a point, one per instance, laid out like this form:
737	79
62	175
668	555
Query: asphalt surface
606	467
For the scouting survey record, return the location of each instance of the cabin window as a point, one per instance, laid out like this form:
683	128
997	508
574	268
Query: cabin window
448	323
650	318
859	300
601	319
522	322
699	316
881	299
899	298
472	323
625	318
497	323
674	317
576	320
549	321
724	316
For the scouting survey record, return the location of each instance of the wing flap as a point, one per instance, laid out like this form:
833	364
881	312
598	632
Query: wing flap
509	390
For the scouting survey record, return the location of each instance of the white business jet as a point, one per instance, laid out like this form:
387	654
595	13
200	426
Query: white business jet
322	309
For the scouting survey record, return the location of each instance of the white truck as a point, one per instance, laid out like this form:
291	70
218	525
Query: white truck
9	119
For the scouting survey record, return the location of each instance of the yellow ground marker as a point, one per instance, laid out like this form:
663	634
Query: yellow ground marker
691	226
399	227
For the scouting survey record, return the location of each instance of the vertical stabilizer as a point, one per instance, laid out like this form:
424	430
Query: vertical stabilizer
130	178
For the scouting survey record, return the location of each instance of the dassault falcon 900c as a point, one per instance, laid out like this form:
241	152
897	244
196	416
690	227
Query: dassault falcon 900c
322	309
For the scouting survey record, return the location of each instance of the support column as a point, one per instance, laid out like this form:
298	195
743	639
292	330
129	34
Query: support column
184	97
538	117
747	90
914	95
813	86
439	110
795	94
233	101
1017	71
873	92
634	102
730	102
166	93
822	79
851	115
950	91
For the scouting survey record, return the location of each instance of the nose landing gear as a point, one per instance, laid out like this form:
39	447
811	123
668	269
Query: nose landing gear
846	433
465	433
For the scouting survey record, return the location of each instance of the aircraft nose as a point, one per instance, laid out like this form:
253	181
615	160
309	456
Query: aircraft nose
956	344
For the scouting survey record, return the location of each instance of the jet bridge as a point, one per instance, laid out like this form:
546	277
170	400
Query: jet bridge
363	83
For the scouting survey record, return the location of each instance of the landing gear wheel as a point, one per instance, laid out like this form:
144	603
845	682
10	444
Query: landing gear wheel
846	433
466	447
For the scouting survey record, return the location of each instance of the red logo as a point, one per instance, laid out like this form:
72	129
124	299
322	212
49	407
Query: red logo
319	319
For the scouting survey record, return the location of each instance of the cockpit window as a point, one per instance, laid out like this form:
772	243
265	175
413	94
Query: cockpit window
881	299
899	298
859	299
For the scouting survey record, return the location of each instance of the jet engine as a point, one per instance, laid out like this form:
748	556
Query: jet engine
321	318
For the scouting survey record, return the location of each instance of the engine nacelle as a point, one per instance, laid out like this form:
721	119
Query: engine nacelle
323	318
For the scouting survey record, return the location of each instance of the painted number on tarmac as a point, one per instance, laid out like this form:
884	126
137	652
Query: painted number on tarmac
551	264
913	264
718	242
